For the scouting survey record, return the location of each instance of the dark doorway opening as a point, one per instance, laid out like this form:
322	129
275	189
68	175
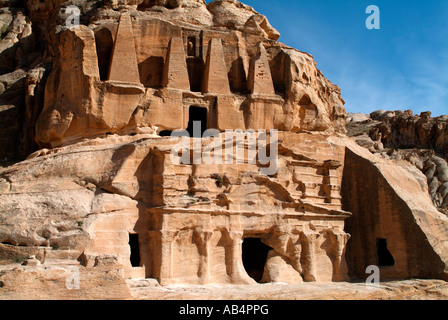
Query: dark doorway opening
385	258
166	133
135	250
255	254
197	116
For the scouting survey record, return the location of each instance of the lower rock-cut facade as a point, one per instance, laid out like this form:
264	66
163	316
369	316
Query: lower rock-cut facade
231	224
204	247
237	226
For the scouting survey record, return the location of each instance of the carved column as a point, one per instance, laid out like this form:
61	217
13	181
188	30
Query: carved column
309	269
152	256
341	242
203	242
235	267
166	268
297	254
286	241
235	246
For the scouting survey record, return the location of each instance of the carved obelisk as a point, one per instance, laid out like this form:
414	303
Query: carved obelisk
215	76
175	75
124	66
260	77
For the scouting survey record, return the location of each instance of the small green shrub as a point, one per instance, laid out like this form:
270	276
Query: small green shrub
18	259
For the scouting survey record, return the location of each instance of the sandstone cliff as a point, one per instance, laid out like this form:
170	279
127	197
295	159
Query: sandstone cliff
401	136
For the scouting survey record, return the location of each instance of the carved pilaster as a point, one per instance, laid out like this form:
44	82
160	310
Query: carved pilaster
235	267
202	238
309	269
297	254
341	242
167	263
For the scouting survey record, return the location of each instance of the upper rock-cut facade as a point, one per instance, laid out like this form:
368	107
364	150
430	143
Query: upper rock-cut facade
137	67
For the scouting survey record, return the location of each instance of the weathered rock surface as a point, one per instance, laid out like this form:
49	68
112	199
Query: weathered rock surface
87	198
405	130
54	282
402	217
396	290
401	136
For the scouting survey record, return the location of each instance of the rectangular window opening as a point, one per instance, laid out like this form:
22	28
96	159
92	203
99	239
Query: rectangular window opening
135	250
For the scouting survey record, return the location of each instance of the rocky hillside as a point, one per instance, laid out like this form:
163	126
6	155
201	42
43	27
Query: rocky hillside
401	135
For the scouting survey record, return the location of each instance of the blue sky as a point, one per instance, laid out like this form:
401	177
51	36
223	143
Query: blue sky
404	65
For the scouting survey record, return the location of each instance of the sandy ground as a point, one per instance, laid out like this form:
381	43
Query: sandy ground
396	290
49	281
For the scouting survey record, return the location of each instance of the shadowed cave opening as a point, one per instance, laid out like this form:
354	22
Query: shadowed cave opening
135	250
195	66
165	133
255	254
151	71
197	115
385	258
104	47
